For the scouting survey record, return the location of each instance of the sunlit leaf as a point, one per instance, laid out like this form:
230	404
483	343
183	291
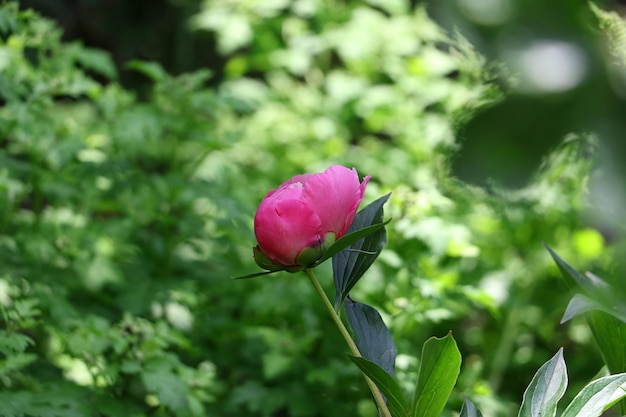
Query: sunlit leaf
597	396
439	368
546	389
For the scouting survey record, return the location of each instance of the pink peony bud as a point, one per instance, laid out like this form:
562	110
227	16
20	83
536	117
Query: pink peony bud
297	222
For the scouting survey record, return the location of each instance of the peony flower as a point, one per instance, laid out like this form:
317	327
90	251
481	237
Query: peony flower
297	222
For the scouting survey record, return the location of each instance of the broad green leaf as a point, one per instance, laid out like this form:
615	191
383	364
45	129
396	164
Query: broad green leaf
350	264
597	396
398	406
439	368
469	409
546	389
371	335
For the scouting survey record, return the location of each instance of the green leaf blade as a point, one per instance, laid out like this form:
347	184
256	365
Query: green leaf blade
350	264
605	311
580	304
439	368
569	272
469	409
546	389
347	240
610	334
597	396
592	285
398	406
371	335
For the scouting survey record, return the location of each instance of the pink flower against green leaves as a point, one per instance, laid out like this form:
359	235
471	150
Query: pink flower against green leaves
298	221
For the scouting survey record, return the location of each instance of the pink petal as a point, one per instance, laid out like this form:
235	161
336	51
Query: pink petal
296	179
335	196
283	227
352	212
288	190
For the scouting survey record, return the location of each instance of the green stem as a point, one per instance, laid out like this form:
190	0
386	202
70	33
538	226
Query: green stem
378	397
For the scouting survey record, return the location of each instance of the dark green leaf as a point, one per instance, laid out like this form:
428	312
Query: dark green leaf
546	389
597	396
469	409
371	335
439	368
350	264
398	406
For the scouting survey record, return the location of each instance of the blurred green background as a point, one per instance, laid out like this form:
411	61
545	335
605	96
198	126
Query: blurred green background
137	139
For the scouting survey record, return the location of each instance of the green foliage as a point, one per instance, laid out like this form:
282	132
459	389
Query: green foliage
398	406
605	309
548	386
371	335
597	397
439	368
122	219
546	389
93	185
469	409
614	28
350	265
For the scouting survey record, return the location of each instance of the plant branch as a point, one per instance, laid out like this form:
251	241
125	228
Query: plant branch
378	397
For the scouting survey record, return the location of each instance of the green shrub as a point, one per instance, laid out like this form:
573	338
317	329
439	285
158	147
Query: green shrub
122	219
